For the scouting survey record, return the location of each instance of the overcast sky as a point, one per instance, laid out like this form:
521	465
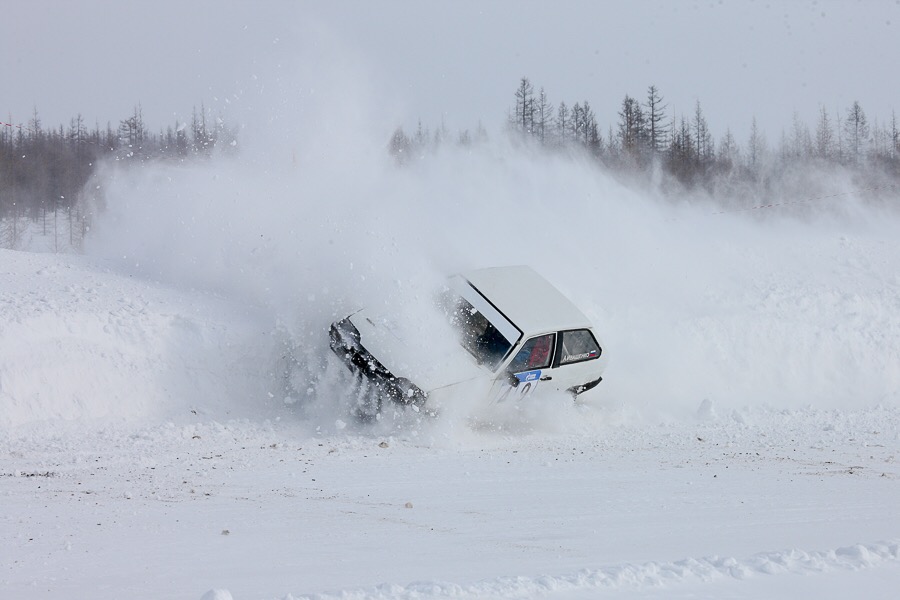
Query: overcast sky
456	61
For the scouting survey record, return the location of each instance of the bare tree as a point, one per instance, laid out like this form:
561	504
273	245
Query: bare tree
543	112
801	141
583	121
729	153
895	136
524	117
631	128
702	138
756	148
132	133
399	146
824	136
682	156
856	130
656	130
563	124
204	139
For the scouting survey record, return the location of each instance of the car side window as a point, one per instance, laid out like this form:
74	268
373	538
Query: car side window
536	353
577	346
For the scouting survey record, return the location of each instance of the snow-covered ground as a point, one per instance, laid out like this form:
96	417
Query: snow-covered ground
170	424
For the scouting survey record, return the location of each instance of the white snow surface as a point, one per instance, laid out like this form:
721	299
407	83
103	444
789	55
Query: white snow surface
171	424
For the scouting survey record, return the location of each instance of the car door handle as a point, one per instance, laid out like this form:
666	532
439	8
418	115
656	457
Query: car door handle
546	378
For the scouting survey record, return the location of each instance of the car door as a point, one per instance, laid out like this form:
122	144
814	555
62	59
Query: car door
530	366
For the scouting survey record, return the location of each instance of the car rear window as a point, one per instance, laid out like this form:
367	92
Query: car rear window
577	346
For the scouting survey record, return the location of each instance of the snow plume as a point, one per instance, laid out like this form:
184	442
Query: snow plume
731	309
313	219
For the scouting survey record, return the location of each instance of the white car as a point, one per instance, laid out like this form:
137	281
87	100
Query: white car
501	333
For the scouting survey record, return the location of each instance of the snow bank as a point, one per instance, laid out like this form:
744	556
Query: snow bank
78	342
649	575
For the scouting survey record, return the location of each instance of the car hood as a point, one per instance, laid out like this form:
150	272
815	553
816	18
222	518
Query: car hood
424	350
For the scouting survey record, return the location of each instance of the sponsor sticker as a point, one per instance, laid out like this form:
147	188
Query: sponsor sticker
583	356
529	376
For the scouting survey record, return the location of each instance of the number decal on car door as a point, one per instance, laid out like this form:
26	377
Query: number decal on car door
528	380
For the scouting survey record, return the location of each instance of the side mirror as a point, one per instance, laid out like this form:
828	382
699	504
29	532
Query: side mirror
512	379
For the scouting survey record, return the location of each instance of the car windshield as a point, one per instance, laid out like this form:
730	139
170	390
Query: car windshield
483	330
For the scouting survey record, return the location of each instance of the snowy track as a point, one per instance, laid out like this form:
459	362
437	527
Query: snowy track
637	578
268	511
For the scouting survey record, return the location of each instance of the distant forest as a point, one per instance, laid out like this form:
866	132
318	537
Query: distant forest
645	144
44	172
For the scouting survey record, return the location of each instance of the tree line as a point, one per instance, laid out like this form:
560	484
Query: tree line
643	139
44	171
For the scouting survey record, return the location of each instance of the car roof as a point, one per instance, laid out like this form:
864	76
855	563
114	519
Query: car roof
527	299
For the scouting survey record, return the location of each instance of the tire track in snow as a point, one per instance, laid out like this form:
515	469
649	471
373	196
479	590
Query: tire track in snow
652	574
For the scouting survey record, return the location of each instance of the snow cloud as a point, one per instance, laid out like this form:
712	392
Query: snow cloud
313	218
